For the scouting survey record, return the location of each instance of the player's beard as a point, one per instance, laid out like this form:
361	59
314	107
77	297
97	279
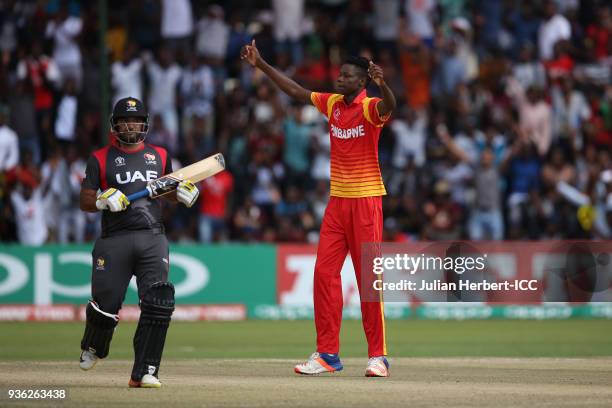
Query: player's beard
131	137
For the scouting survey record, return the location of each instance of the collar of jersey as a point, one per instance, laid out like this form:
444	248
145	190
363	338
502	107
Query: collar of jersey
357	99
116	145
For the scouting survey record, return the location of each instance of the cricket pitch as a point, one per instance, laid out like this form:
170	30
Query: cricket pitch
414	382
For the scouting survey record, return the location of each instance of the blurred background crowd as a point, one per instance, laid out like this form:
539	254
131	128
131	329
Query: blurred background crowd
503	128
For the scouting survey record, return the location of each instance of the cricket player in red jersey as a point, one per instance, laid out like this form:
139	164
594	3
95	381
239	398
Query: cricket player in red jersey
354	213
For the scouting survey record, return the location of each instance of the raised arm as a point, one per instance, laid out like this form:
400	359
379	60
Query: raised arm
388	102
286	84
450	144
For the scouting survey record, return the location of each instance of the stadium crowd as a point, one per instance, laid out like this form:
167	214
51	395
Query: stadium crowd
503	129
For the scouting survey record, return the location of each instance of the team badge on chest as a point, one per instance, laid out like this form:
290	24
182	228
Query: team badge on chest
150	159
337	113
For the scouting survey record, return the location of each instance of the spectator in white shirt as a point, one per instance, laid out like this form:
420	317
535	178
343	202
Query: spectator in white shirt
197	90
570	111
466	138
164	79
30	214
177	25
64	30
410	132
419	15
56	182
127	75
212	35
386	23
288	18
65	121
9	144
462	33
554	28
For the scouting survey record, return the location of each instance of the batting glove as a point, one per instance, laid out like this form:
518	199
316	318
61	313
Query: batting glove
187	193
112	199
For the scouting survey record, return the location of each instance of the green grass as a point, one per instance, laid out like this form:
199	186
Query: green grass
295	339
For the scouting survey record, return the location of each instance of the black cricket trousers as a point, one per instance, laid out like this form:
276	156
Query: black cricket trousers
117	258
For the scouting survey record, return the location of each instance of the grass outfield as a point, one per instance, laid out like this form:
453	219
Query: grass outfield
295	339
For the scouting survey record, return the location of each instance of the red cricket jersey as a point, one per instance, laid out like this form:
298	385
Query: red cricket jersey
215	191
354	130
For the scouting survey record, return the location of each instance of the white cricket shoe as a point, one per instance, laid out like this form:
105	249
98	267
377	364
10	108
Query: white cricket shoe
147	381
319	363
88	360
377	367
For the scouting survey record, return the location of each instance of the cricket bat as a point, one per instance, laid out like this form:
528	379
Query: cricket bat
195	172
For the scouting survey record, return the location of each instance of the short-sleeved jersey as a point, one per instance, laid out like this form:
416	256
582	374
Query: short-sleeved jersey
128	171
354	131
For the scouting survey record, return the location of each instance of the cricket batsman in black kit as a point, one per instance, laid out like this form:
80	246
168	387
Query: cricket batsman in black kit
133	242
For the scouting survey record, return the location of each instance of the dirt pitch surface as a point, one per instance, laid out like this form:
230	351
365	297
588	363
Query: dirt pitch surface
415	382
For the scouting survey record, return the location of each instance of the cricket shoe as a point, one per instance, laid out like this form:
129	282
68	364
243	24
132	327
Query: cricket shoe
147	381
88	360
319	363
377	367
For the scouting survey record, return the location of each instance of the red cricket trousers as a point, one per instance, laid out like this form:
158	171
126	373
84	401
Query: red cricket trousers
347	223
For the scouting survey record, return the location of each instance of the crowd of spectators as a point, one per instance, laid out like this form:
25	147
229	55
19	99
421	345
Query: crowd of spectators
503	128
